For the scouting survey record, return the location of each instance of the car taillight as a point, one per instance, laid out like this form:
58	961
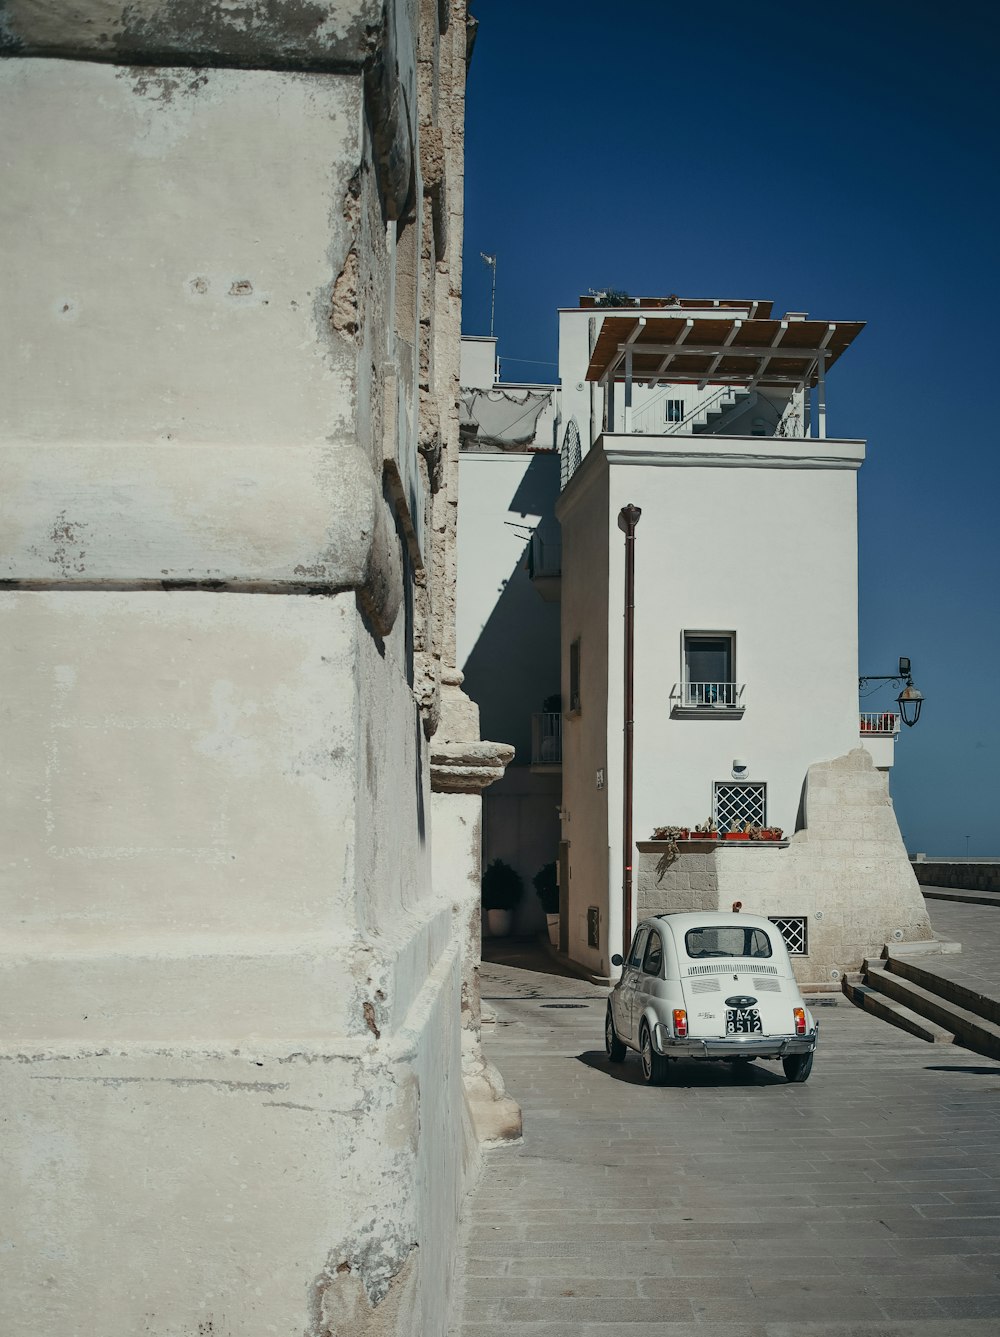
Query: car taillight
799	1014
680	1022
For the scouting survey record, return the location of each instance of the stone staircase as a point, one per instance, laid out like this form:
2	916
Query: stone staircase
725	408
902	987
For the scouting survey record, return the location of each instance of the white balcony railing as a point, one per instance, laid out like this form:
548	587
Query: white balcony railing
694	695
879	722
546	738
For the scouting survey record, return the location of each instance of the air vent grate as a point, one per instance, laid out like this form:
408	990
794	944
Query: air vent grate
705	986
729	967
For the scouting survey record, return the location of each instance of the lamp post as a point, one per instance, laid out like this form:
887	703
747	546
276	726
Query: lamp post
910	699
628	518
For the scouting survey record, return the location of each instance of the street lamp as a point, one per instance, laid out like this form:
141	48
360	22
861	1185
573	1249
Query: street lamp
910	699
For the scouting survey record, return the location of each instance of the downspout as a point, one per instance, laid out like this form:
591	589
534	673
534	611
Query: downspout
628	518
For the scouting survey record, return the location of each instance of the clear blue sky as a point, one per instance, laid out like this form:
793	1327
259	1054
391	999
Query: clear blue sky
840	159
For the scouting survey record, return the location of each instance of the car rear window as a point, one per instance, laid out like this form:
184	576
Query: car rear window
726	940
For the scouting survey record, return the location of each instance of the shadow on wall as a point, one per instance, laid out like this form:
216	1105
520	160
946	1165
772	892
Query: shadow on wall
514	664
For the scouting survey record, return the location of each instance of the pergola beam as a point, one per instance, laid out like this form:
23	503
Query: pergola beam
675	347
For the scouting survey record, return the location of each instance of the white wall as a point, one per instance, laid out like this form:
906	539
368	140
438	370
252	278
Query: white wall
755	539
507	636
588	742
479	361
232	1017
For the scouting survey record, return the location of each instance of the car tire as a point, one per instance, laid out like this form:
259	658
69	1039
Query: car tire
797	1067
616	1049
655	1067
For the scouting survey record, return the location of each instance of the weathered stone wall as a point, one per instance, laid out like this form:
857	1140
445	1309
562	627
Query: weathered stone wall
967	875
236	1055
846	870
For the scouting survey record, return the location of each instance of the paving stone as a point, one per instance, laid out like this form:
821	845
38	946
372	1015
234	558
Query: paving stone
864	1203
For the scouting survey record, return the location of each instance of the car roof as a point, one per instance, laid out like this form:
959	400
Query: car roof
680	921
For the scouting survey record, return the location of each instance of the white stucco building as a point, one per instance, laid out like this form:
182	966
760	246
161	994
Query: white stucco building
711	417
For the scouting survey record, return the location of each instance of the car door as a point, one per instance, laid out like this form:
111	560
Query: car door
624	992
646	977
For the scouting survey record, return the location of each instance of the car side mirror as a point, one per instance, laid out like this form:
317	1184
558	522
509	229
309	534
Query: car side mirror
617	960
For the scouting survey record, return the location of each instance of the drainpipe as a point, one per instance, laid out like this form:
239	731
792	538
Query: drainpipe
628	518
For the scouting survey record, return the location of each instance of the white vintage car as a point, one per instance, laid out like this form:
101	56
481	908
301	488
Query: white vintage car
707	985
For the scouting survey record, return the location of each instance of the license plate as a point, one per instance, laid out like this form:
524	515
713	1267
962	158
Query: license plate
743	1022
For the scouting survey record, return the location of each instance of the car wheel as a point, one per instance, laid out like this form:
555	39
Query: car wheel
616	1050
654	1066
797	1067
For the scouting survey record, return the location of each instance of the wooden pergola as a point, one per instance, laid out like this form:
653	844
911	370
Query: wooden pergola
718	347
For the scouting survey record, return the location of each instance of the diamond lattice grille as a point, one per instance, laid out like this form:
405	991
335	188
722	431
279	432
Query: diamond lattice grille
736	805
793	929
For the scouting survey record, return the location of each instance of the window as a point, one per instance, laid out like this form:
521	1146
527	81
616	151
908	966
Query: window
593	926
637	946
675	410
738	804
709	668
652	962
726	940
795	931
574	677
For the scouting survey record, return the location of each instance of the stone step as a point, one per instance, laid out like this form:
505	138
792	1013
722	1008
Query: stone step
880	1005
928	947
969	1029
921	971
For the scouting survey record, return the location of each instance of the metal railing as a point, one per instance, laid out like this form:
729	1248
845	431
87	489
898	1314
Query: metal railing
879	722
692	695
544	557
546	738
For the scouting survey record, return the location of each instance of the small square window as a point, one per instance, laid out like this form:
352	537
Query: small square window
795	931
739	805
675	410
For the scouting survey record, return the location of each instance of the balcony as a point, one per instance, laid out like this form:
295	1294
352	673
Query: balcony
708	700
880	722
545	566
879	731
546	741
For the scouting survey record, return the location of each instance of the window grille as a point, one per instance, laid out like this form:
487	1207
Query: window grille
675	410
795	931
739	804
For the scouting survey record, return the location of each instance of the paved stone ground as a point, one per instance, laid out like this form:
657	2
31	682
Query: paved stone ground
864	1203
977	928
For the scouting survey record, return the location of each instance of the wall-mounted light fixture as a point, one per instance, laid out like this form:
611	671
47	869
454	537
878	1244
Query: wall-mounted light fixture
910	699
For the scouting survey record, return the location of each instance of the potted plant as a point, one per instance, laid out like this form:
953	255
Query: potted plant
670	835
737	833
706	831
771	833
546	883
502	890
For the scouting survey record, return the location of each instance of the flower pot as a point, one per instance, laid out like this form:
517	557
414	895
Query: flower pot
553	924
498	922
736	835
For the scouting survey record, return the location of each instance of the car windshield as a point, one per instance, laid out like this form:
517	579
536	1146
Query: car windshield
726	940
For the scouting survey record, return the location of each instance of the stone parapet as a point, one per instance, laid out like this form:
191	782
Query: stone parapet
965	874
